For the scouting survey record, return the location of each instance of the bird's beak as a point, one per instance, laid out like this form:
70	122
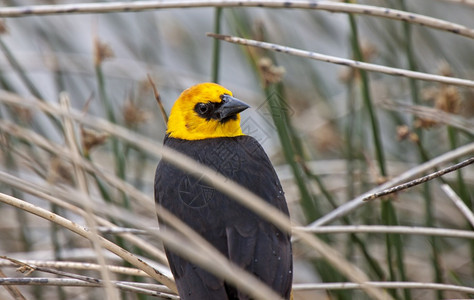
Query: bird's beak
230	107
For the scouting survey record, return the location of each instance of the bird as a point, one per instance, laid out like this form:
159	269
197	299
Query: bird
204	124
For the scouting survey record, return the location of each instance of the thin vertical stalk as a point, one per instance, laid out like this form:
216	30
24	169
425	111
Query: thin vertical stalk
350	149
463	191
117	151
292	150
429	221
410	56
350	179
216	45
397	240
118	154
388	211
435	259
279	118
407	28
367	98
104	192
388	245
54	229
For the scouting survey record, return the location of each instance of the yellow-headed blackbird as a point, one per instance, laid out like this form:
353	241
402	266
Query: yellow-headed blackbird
204	124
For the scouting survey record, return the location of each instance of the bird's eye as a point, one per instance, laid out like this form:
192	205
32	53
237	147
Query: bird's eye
202	108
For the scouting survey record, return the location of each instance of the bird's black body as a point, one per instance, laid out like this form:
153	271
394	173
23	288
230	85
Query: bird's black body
242	236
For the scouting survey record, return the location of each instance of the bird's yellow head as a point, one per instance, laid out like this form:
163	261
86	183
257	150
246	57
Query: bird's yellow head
204	111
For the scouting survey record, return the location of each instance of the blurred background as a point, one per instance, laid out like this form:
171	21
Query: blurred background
332	132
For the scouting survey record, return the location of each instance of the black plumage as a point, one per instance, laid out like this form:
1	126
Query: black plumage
251	242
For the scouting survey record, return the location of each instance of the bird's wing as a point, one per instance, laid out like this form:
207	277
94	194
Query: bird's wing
253	243
187	197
